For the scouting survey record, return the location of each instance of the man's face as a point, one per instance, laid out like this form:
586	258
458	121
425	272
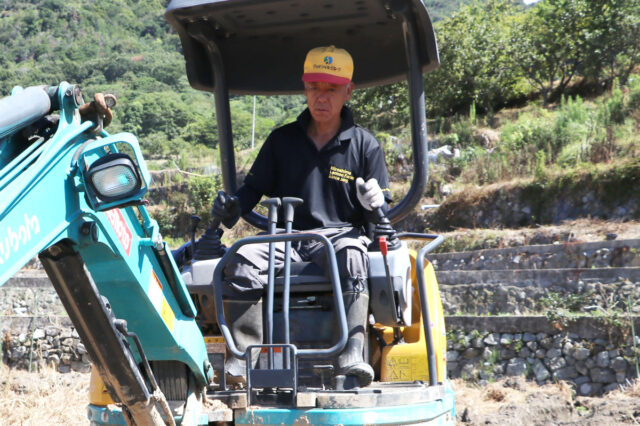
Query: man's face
325	100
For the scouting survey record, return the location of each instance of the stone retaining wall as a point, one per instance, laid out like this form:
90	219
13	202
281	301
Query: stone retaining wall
603	254
35	330
596	355
38	301
596	195
33	342
483	299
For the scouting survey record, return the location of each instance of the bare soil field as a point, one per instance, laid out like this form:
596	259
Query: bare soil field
514	401
42	398
51	398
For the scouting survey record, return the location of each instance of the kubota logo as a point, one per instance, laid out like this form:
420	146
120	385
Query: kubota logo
11	240
328	60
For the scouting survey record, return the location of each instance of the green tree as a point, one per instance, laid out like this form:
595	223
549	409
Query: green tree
544	45
610	38
475	62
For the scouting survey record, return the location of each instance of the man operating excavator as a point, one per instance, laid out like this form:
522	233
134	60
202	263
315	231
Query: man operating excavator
338	169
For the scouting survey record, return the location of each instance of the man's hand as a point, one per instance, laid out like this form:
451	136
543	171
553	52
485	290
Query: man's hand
226	209
369	193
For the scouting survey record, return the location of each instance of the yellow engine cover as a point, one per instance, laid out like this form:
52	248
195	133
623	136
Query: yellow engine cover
408	361
98	394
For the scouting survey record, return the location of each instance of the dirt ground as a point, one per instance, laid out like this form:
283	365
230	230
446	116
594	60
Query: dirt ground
515	401
50	398
42	398
580	230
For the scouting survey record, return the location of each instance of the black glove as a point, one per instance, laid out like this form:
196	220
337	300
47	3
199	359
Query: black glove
226	209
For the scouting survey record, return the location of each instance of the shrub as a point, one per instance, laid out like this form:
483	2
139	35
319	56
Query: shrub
202	192
465	129
614	108
634	94
540	171
530	132
572	123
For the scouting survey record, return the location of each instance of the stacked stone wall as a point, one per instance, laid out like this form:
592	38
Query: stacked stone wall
32	343
35	330
594	355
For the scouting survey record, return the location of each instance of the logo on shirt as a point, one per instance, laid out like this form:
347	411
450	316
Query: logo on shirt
341	175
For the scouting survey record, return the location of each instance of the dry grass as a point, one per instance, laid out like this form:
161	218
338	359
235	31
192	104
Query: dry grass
485	399
582	230
42	398
632	390
496	395
51	398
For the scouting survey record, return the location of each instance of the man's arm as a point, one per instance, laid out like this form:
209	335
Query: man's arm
258	181
248	198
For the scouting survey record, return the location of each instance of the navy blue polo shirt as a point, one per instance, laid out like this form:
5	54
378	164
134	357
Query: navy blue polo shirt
290	165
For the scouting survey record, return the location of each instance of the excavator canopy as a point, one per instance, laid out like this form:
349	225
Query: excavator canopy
263	43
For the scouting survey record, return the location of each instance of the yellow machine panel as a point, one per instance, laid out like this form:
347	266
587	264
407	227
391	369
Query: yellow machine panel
408	361
98	394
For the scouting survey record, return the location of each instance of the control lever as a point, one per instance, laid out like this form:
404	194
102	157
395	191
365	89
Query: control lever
272	204
383	244
289	204
195	220
384	229
209	245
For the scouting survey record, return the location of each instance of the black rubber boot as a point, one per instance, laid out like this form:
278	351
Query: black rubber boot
351	362
244	318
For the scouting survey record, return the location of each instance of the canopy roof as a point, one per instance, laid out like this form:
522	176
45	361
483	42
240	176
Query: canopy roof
263	43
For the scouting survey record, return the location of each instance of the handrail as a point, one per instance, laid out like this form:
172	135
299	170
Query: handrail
333	275
418	118
424	305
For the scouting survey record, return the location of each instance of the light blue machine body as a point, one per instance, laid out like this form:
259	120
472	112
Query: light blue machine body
43	201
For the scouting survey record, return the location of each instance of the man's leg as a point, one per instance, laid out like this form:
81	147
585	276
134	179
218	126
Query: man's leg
353	266
242	288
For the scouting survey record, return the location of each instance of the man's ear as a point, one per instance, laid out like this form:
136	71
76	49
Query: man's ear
350	87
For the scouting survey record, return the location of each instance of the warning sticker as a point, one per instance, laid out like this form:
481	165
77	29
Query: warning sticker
120	227
159	302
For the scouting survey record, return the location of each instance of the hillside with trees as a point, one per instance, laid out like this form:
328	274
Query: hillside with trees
522	92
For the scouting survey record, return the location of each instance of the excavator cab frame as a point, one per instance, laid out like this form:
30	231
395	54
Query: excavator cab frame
257	48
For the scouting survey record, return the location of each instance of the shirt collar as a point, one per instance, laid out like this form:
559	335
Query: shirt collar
345	133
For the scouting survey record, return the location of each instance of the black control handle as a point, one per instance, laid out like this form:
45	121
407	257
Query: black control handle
195	221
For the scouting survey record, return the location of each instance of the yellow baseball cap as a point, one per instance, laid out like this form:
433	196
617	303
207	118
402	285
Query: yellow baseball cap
329	64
